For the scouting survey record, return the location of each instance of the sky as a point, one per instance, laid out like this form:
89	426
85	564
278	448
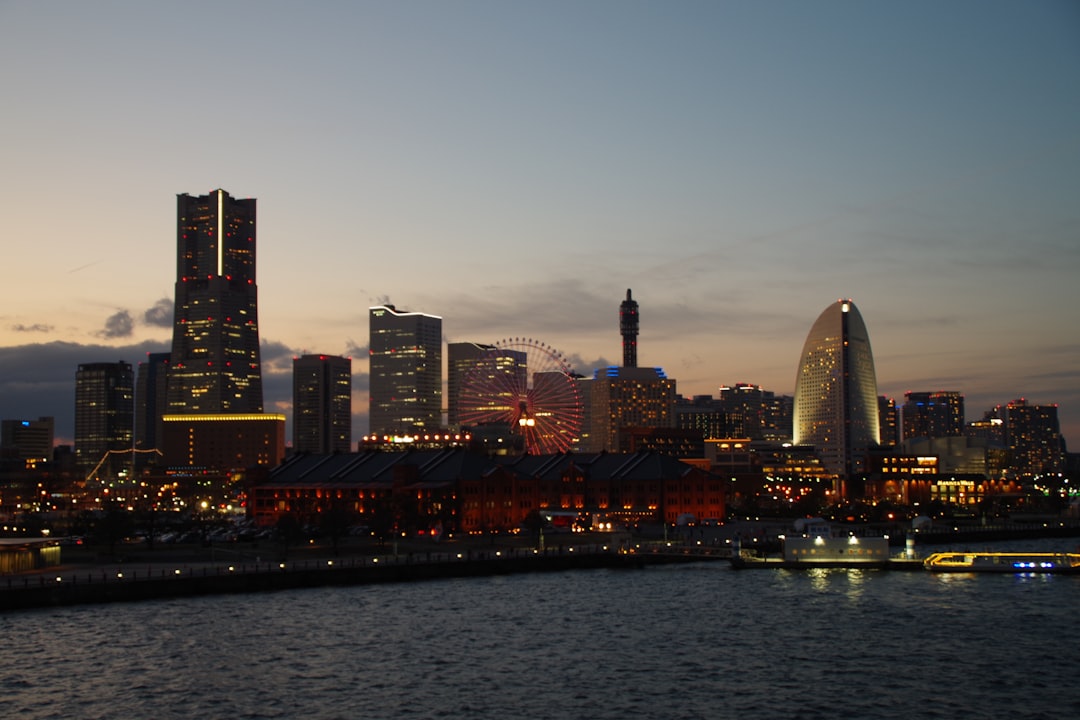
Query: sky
514	167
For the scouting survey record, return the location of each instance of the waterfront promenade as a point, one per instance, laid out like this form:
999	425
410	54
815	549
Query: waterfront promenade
128	573
181	572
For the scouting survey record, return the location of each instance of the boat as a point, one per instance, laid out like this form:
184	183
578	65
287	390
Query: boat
822	551
1004	562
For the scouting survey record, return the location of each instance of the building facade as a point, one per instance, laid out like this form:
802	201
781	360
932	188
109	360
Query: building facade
224	443
888	421
28	441
486	368
933	414
151	401
457	490
836	405
104	417
628	397
406	371
215	366
322	404
1033	439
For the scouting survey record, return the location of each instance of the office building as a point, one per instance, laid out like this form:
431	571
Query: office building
755	413
104	410
224	443
888	421
151	403
1033	439
628	397
215	366
932	414
492	372
836	405
322	404
406	371
28	441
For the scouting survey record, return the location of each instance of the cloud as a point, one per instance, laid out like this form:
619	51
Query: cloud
36	327
118	325
160	315
356	351
586	367
38	379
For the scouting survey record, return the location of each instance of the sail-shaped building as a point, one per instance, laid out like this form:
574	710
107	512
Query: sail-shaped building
836	408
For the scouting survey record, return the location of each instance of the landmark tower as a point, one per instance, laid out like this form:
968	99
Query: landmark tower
215	366
628	326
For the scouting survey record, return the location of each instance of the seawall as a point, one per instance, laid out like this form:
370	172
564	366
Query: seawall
97	585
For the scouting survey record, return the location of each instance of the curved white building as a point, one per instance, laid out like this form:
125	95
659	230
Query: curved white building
836	407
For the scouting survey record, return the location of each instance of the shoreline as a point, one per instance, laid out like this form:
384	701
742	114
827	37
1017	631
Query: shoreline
71	585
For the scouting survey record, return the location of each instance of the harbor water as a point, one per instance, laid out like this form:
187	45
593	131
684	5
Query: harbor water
684	641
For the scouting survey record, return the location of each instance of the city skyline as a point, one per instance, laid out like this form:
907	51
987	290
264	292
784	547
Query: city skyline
514	169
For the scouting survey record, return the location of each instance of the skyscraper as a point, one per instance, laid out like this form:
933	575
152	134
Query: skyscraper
836	406
215	365
1033	438
888	422
104	409
406	371
476	362
322	404
30	441
622	398
151	398
933	414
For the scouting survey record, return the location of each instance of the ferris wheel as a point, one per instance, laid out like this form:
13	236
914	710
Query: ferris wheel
529	388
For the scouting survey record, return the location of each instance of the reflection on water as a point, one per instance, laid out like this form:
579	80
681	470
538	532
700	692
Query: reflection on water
695	641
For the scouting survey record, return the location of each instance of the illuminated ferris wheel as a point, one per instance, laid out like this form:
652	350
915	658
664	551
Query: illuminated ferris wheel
527	387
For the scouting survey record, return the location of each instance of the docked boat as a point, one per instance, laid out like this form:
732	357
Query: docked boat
1003	562
822	551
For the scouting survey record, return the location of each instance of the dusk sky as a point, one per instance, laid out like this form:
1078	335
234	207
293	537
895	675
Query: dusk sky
514	167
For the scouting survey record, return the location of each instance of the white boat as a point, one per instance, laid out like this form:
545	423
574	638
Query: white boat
823	551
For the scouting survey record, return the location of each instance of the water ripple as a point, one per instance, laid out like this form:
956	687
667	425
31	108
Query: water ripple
697	641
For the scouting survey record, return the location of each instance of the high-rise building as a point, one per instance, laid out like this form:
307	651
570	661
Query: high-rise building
322	404
215	366
406	371
151	401
30	441
629	321
702	413
836	406
622	398
888	421
104	409
481	364
933	414
1033	438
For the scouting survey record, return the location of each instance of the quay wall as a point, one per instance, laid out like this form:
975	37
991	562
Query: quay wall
68	587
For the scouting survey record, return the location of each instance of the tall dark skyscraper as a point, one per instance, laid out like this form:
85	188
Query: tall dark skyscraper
215	366
322	404
104	408
628	326
151	393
